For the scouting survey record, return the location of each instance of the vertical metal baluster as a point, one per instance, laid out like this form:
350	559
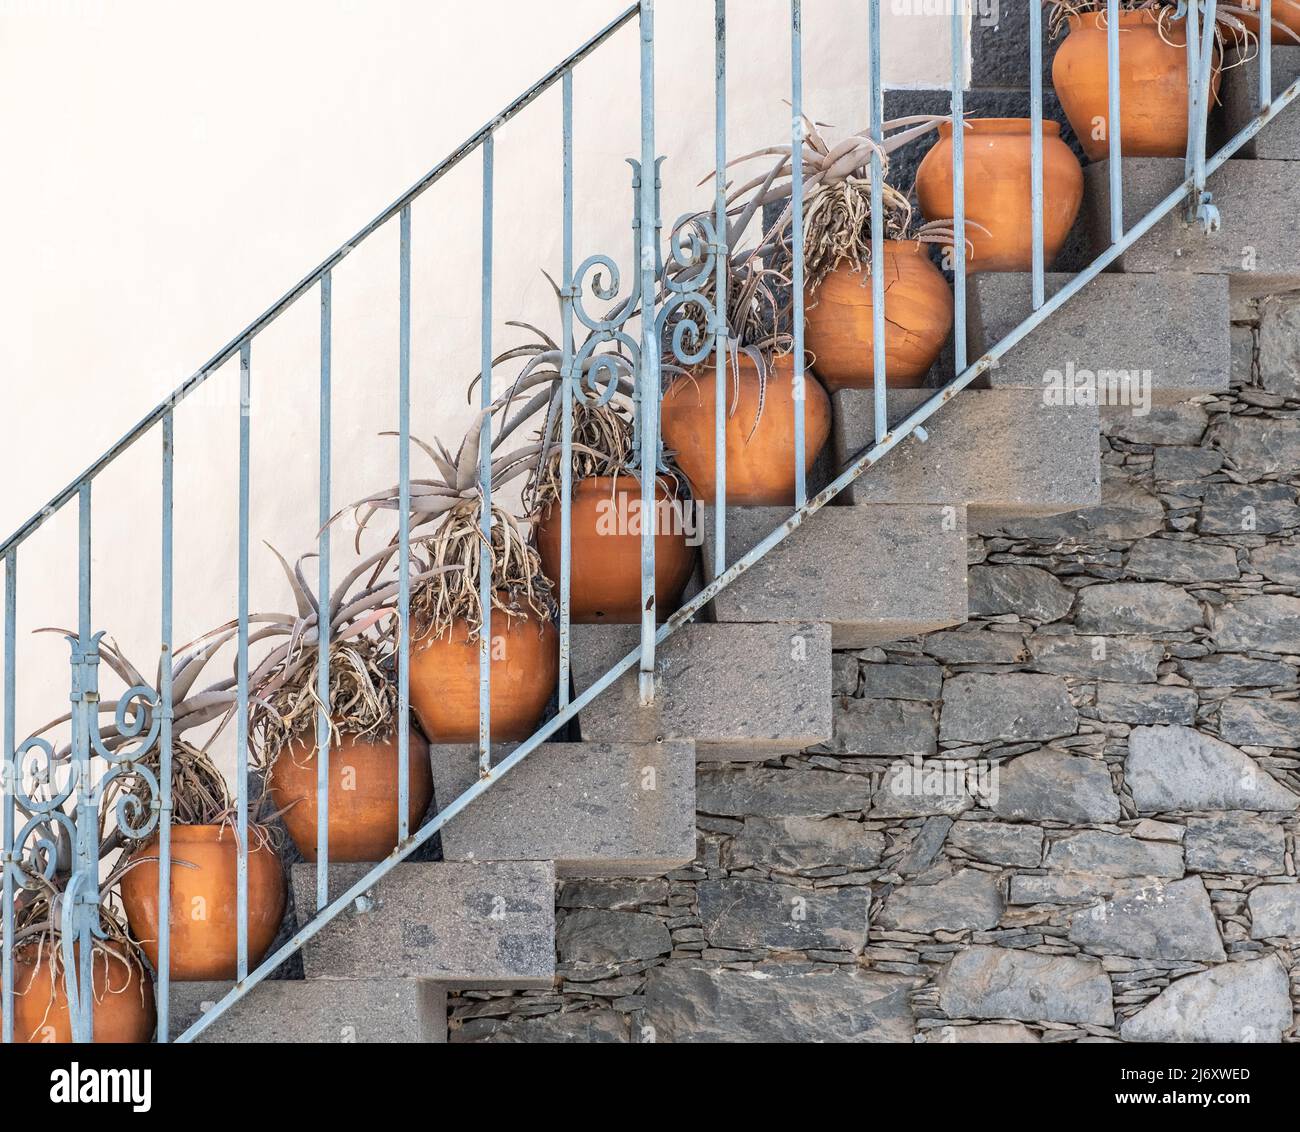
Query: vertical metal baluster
1114	131
566	388
958	106
879	388
165	736
720	286
323	616
404	524
87	711
649	375
1036	148
9	786
796	210
485	476
241	663
1191	29
1194	165
1208	24
1200	62
1265	54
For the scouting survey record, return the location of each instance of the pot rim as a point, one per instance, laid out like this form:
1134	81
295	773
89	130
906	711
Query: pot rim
782	364
514	624
1012	126
187	831
1127	18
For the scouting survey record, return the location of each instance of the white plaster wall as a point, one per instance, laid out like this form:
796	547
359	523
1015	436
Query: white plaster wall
173	167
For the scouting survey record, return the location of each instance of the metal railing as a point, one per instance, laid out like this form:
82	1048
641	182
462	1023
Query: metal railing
59	838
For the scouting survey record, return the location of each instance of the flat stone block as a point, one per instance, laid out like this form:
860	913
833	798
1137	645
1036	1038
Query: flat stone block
595	809
776	1003
467	925
740	691
875	574
1118	324
317	1011
1280	139
1003	452
1258	244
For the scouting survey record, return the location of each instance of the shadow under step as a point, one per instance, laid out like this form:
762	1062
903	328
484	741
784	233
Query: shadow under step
595	809
488	925
317	1011
1005	453
1120	329
1280	139
739	691
875	573
1257	246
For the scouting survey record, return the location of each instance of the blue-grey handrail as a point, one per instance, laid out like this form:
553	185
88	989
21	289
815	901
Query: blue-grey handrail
308	281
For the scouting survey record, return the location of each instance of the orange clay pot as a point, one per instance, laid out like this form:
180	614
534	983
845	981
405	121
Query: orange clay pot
124	1003
760	449
1286	16
998	196
1152	84
362	794
605	532
203	918
444	679
839	331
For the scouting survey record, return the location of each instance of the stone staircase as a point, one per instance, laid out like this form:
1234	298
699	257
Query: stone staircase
756	678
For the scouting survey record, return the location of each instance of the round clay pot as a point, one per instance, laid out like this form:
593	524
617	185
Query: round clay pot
760	449
362	794
1152	84
998	196
204	925
444	679
839	331
124	1003
1286	17
605	560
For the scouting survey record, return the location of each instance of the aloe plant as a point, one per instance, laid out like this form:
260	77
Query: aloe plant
284	693
1229	29
38	937
836	188
445	521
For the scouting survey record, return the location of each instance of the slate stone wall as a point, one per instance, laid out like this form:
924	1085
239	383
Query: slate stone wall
1128	683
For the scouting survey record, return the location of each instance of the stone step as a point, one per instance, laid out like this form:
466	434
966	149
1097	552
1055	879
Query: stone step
476	925
874	573
595	809
1103	329
739	691
1280	139
351	1011
1005	452
1257	246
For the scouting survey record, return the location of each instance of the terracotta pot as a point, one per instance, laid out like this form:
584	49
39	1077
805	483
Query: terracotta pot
839	331
203	917
1152	84
444	679
1286	16
362	794
760	449
605	561
998	191
124	1002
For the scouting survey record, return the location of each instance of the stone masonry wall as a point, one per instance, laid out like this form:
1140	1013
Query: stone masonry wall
1128	682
